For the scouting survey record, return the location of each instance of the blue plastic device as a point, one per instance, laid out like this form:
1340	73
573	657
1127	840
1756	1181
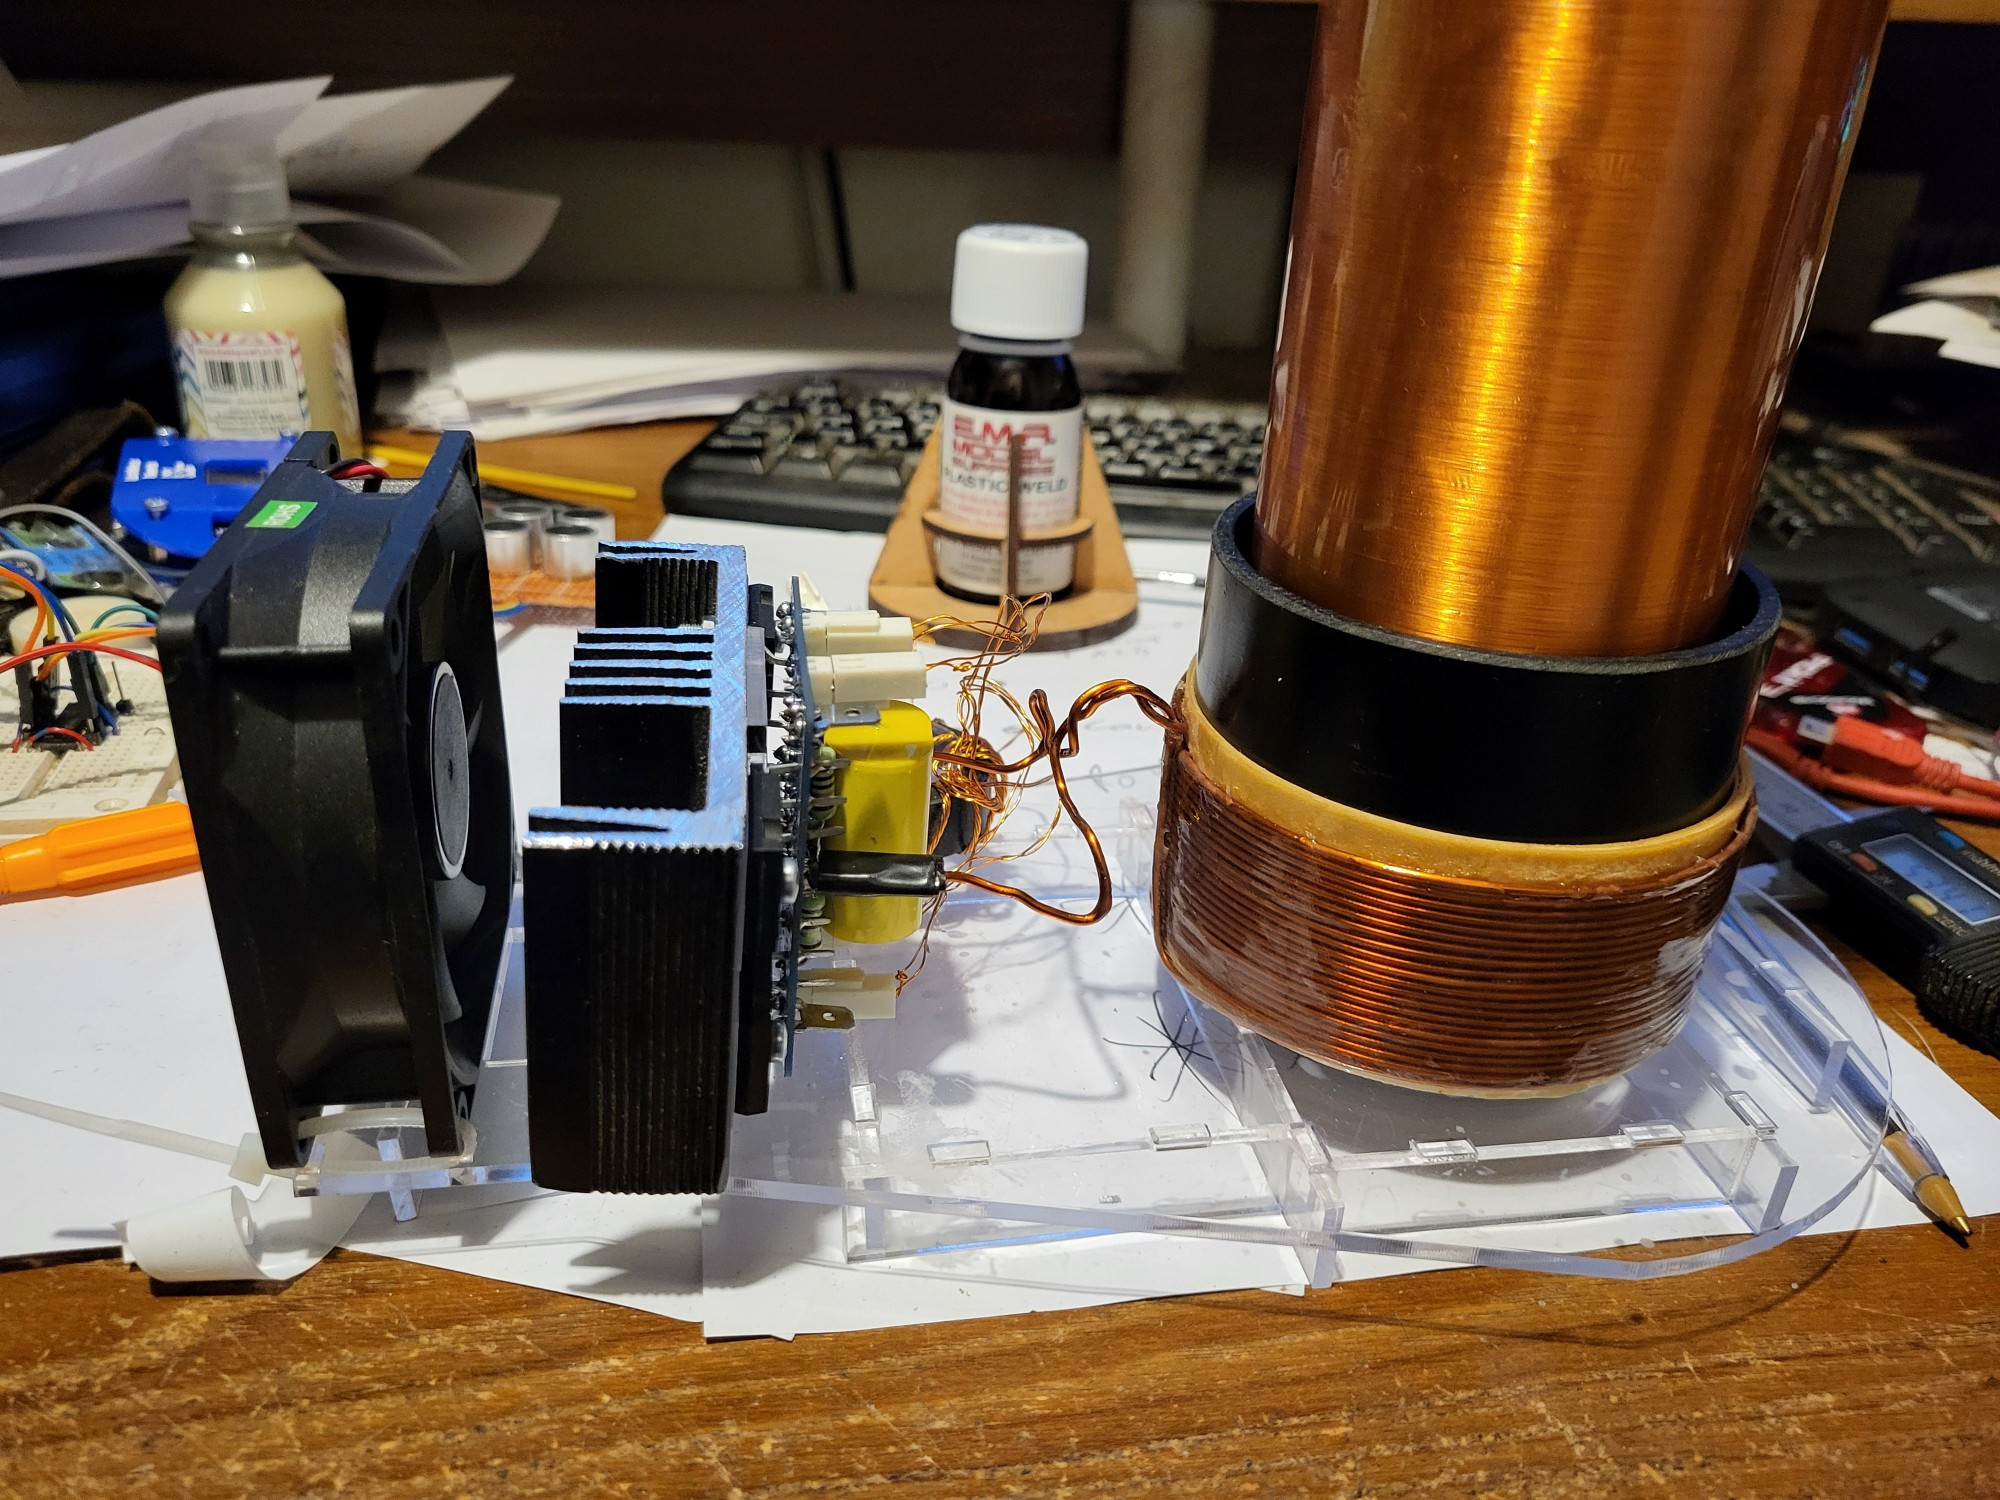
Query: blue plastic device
175	494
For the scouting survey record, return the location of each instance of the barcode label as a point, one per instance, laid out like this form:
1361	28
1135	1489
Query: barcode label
246	375
241	385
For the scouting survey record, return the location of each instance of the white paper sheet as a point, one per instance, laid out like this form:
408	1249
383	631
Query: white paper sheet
361	143
426	230
528	359
147	159
643	1253
777	1269
36	245
121	192
1984	282
1968	335
431	231
714	398
114	1004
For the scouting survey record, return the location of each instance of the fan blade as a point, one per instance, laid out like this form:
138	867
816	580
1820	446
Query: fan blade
458	903
450	1008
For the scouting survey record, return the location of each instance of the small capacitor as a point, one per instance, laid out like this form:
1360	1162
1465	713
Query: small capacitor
510	547
536	515
595	517
569	550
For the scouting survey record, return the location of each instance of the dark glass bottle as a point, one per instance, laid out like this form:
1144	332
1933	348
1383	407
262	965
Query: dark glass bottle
1012	413
995	390
1007	375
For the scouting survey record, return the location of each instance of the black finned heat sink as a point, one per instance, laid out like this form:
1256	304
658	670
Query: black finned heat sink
652	893
631	1018
657	586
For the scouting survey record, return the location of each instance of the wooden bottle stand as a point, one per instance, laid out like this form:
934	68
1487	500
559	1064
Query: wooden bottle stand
1103	602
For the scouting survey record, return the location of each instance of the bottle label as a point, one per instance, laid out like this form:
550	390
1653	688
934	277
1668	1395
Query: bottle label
242	385
343	385
975	446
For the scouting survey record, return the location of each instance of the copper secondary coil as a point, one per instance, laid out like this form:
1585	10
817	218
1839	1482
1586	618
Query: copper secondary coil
1550	262
1443	982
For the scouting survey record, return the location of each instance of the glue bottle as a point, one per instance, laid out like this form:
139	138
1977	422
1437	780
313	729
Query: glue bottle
1017	301
260	336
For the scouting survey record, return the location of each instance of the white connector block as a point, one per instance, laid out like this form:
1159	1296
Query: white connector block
867	677
855	632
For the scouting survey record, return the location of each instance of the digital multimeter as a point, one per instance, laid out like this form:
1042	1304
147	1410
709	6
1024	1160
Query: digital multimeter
1921	902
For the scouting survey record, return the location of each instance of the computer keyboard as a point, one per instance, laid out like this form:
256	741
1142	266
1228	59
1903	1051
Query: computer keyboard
1830	512
837	453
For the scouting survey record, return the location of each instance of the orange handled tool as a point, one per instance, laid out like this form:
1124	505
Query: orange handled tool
96	854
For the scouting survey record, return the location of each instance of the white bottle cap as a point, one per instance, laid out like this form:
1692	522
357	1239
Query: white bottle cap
238	182
1019	281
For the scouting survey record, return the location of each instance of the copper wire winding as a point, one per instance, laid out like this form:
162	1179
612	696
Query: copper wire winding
1443	982
1439	981
1548	267
1546	273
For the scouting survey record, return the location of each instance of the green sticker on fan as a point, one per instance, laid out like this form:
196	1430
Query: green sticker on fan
282	515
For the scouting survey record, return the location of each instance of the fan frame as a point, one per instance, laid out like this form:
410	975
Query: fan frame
294	641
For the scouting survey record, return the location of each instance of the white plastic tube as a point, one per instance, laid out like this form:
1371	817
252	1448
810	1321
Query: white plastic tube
1166	127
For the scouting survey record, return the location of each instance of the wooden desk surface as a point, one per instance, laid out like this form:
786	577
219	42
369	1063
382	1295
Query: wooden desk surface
1835	1365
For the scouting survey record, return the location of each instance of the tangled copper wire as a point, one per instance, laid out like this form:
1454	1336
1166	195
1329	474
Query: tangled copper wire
966	768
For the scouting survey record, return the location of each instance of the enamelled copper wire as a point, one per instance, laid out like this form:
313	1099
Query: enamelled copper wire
967	768
1447	983
1054	743
1550	262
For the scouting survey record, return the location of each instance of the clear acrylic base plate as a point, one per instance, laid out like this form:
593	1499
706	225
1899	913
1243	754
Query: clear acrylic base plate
1042	1081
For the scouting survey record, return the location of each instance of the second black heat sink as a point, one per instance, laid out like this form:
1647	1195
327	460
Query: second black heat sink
646	971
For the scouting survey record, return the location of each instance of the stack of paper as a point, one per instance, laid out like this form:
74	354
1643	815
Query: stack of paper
120	191
537	359
1962	310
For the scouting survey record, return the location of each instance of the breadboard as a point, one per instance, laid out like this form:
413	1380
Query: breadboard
134	768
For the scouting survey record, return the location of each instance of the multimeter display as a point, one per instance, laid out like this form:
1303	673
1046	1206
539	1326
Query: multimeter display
1937	878
1923	902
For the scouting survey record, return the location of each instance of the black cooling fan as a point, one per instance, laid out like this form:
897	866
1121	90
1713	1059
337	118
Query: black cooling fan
335	693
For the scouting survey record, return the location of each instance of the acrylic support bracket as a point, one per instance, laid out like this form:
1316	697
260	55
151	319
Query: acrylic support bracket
1079	1093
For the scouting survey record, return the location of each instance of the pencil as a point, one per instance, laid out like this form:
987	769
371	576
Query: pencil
525	478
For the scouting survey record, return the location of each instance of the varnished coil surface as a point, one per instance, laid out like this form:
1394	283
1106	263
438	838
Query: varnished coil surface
1454	984
1550	262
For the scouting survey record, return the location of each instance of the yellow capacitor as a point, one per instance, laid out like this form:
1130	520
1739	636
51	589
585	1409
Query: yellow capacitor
887	784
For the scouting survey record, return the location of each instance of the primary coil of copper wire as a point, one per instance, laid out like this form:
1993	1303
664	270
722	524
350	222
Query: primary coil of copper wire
1550	263
1458	985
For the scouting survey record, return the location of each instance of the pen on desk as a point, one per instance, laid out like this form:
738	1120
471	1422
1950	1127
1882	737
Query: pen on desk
1909	1162
1906	1158
500	474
